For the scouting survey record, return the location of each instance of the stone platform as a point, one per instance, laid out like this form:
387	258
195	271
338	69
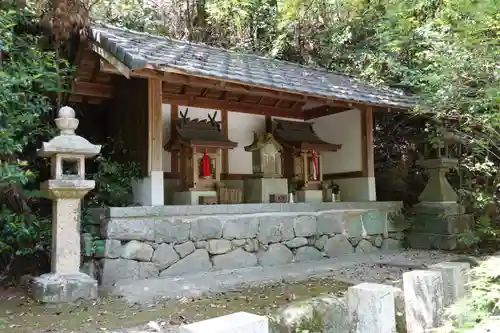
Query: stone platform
149	242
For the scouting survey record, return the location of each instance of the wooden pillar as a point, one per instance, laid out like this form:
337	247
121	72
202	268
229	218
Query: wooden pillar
367	142
174	157
368	171
225	130
155	142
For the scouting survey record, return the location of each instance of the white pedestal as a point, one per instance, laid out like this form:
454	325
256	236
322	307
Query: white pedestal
258	190
309	196
191	197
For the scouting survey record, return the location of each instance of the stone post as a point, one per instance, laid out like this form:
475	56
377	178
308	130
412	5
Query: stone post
66	188
423	293
438	219
372	308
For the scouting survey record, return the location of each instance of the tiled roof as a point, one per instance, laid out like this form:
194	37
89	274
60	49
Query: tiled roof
299	134
137	50
199	133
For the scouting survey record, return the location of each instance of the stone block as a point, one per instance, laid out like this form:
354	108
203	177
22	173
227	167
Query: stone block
112	270
330	223
276	254
372	308
427	241
337	246
455	277
374	222
327	311
185	248
239	322
308	253
275	228
219	246
108	248
205	228
353	223
165	256
320	242
173	231
296	242
64	288
251	245
238	242
130	229
442	224
148	270
243	227
391	245
305	225
198	261
365	246
423	293
234	259
397	222
135	250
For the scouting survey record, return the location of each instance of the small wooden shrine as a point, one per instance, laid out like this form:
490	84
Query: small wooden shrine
302	153
198	145
266	156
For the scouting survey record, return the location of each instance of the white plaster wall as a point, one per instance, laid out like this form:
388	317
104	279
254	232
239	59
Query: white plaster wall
241	128
193	113
345	129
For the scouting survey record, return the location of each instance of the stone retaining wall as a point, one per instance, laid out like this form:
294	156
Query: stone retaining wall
141	247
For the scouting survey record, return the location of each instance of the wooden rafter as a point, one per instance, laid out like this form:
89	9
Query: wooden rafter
322	111
202	102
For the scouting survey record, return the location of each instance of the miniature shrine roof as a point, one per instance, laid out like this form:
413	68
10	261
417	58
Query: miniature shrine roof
138	50
259	141
196	132
301	135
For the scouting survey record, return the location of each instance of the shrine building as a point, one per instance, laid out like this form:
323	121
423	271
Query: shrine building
211	126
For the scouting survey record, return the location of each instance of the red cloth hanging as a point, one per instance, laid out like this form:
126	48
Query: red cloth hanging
205	165
315	165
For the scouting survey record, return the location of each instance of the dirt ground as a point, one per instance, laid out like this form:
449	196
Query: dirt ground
18	314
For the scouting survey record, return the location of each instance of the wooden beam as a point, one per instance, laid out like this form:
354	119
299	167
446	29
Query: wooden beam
208	103
199	82
109	68
322	111
367	143
155	125
89	89
225	129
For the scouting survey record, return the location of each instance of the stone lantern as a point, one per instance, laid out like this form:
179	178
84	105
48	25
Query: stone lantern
66	188
438	217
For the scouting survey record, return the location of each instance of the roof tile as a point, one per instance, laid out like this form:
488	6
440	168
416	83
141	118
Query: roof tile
136	50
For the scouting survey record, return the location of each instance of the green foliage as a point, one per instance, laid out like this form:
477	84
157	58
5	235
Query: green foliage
481	306
28	75
23	235
114	180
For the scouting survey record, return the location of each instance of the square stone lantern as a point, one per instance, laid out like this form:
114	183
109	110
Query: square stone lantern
267	179
439	218
66	188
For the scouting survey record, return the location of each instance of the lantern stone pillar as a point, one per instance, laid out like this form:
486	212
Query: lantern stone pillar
438	219
67	186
